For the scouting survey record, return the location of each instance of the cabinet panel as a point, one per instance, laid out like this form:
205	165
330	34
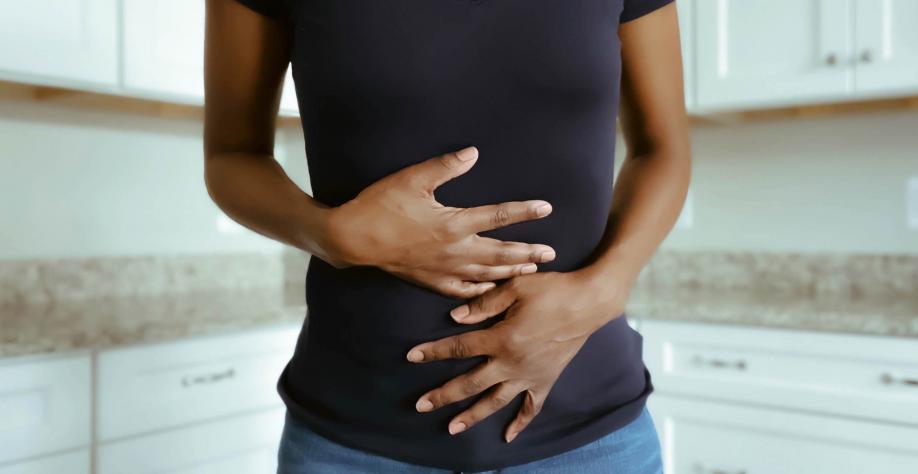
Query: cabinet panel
60	42
44	406
760	53
76	462
847	375
241	445
141	389
886	47
686	14
288	103
706	438
164	48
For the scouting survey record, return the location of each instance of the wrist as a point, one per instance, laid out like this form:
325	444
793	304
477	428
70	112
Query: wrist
607	289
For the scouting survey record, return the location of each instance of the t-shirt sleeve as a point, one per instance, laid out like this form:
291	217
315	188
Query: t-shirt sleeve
270	8
634	9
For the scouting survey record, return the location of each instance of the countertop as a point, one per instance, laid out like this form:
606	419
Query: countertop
102	323
871	315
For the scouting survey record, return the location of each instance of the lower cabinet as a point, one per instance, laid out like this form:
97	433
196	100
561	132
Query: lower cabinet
75	462
704	437
244	444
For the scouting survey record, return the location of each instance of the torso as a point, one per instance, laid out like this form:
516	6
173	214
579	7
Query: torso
534	84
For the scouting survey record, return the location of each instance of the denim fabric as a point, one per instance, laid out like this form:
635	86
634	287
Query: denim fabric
632	449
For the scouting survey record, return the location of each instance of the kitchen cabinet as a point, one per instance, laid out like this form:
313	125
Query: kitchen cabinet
245	444
686	13
705	437
745	399
45	406
886	43
74	462
163	54
754	53
62	43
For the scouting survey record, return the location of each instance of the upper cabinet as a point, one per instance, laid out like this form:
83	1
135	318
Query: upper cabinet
752	53
769	53
886	46
64	43
686	12
163	53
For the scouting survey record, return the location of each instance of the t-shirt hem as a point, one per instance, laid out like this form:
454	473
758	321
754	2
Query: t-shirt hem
646	7
594	430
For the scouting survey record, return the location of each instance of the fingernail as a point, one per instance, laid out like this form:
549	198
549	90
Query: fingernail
460	312
547	256
415	355
511	436
423	405
528	268
543	210
468	153
457	427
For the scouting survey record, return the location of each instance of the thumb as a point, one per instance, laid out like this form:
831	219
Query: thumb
487	305
431	173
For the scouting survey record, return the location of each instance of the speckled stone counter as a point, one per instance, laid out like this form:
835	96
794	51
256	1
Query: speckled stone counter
871	315
102	323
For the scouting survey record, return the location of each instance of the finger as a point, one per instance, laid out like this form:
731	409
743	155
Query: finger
532	405
465	289
476	272
459	388
485	306
488	405
460	346
431	173
488	251
493	216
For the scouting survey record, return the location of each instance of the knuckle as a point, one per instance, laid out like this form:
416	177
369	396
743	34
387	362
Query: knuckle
458	348
485	274
473	385
498	400
504	255
502	215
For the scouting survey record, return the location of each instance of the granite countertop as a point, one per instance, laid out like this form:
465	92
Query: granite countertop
101	323
869	315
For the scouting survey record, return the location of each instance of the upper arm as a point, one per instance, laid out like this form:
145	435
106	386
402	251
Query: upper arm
246	52
653	100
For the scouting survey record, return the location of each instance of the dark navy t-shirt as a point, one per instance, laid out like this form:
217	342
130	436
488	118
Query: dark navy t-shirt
382	84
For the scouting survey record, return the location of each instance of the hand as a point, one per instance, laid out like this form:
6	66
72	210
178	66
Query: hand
397	225
549	317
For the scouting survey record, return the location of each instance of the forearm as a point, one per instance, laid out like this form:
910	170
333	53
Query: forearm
648	196
254	190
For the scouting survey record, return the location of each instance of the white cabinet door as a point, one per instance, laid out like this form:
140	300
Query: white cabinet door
761	53
707	438
75	462
687	38
886	47
60	42
288	104
164	49
240	445
45	406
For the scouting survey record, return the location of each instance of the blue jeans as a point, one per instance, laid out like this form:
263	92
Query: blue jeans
631	449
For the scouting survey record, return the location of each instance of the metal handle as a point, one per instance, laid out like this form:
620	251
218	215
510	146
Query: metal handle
832	59
866	56
890	379
739	364
204	379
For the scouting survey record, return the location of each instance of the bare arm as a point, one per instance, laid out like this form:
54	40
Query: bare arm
394	224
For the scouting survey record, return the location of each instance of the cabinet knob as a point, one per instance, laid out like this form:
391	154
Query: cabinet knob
832	59
866	56
889	379
738	364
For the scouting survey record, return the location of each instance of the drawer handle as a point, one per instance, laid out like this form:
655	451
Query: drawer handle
739	364
890	379
206	379
698	468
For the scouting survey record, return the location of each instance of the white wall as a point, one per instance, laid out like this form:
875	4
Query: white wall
831	184
77	183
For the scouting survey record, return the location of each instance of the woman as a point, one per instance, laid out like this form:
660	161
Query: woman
472	261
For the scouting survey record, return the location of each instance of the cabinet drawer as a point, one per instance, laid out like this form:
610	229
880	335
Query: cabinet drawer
141	389
75	462
44	405
241	445
714	438
850	375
